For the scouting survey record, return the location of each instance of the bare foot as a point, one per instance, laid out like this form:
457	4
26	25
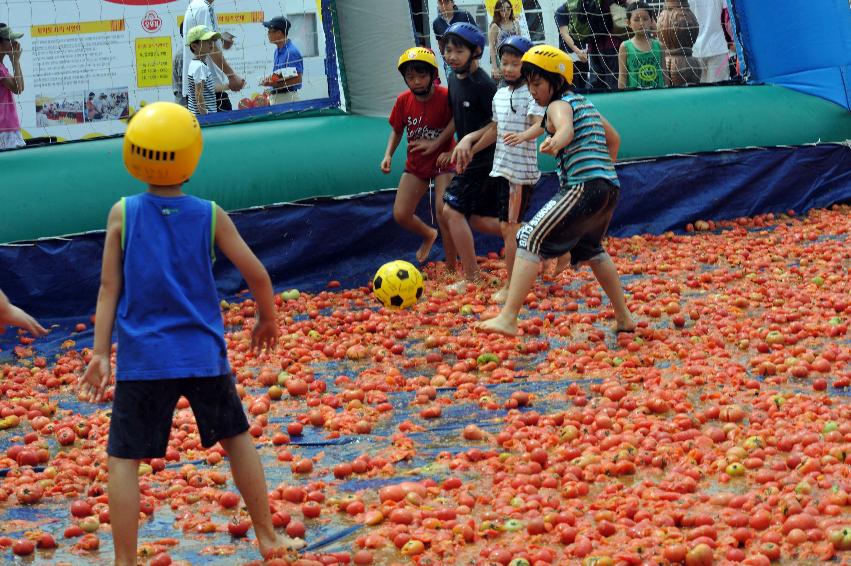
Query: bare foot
562	264
280	547
425	247
500	296
625	324
501	325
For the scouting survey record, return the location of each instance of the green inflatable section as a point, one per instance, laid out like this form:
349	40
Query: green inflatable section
69	188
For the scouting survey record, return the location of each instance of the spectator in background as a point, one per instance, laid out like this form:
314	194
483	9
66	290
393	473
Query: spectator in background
202	95
288	66
449	14
710	48
592	30
574	33
201	13
503	26
641	59
10	84
177	73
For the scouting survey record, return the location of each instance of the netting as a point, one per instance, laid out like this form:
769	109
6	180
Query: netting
615	44
87	66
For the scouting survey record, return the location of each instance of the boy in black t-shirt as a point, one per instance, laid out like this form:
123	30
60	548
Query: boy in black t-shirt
471	195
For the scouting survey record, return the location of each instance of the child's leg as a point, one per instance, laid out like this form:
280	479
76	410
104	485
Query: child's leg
123	491
509	239
485	224
462	237
410	192
607	275
251	482
525	271
440	184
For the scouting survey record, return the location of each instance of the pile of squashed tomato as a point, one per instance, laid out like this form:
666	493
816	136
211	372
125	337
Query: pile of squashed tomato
717	433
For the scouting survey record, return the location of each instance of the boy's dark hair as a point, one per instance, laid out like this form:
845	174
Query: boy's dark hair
458	41
511	50
633	7
559	85
418	67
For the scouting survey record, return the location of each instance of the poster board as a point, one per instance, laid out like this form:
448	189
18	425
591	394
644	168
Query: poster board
88	64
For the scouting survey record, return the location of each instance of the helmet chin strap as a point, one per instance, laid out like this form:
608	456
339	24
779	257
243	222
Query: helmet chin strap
423	91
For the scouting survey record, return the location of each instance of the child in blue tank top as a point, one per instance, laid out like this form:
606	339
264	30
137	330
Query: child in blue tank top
575	220
157	289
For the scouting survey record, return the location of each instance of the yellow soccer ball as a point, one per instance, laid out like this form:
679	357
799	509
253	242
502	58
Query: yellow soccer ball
397	284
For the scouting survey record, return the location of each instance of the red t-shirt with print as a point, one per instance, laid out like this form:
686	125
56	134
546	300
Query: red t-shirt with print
422	120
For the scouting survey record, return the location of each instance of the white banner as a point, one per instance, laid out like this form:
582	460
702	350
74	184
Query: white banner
87	64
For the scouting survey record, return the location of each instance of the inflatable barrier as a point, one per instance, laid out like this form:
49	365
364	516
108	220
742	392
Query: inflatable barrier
69	188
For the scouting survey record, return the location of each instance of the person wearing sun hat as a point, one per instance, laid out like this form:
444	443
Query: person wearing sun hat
201	96
11	83
201	12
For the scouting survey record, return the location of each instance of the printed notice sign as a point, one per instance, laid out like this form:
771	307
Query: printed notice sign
153	62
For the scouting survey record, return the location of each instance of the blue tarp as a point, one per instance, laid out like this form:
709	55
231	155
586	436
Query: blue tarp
305	245
805	46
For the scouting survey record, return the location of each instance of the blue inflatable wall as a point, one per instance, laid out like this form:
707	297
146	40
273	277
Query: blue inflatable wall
803	45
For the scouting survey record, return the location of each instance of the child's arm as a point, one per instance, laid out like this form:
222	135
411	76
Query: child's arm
94	382
15	83
10	314
613	139
471	144
622	71
560	116
427	147
530	134
200	103
392	143
665	74
266	331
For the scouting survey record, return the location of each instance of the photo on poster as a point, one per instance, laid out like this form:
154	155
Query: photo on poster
59	109
107	104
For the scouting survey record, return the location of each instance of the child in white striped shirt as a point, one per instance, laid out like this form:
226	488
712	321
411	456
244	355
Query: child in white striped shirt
201	98
515	127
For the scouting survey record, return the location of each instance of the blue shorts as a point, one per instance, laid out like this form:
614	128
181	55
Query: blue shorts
142	413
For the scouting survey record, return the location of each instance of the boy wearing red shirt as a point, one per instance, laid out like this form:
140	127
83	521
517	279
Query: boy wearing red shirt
423	111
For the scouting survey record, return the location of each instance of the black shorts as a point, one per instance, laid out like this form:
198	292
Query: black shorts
223	103
574	220
474	193
514	202
142	413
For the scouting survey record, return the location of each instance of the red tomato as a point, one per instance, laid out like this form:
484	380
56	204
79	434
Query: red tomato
23	547
238	527
296	529
80	508
229	500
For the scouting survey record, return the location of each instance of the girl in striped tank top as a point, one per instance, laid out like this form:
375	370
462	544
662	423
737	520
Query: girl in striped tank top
576	218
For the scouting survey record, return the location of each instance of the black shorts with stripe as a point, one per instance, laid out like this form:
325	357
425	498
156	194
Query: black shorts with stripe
574	220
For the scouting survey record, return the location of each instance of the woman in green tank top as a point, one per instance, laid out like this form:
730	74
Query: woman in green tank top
641	59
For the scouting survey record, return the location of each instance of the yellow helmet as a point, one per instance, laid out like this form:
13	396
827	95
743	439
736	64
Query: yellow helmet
552	60
162	145
417	54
